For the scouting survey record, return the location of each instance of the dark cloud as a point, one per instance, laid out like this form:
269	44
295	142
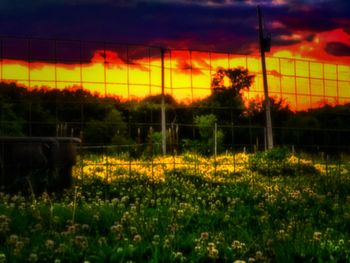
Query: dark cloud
218	25
144	22
338	49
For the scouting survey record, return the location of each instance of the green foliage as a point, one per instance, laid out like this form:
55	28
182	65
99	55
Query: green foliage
205	124
109	130
11	124
154	144
278	162
206	143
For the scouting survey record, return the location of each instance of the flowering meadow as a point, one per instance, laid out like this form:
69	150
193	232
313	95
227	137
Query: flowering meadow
187	208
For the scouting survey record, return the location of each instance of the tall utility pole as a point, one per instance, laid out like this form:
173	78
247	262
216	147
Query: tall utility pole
162	51
264	42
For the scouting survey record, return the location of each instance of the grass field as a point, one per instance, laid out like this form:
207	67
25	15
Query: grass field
229	208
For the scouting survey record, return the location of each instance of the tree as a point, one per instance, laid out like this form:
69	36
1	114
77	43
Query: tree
239	80
111	129
226	99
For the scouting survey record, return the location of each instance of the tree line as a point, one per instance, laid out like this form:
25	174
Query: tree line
101	120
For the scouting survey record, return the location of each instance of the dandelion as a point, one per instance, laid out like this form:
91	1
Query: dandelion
204	235
236	245
18	247
167	243
281	235
179	256
61	248
156	239
197	249
259	255
102	241
33	257
13	239
81	242
133	230
317	236
213	253
4	224
137	238
85	227
72	229
49	244
115	229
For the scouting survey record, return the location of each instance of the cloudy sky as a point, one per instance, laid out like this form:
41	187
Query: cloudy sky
299	28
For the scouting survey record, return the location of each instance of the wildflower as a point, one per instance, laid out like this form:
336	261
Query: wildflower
33	257
317	236
57	260
133	230
49	244
213	253
81	242
197	249
126	216
85	227
180	212
137	238
236	245
72	229
102	241
179	256
259	255
167	243
226	218
251	259
281	235
19	245
4	224
239	261
61	248
13	239
205	236
155	240
115	229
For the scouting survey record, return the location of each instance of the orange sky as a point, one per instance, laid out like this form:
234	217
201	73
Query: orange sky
304	83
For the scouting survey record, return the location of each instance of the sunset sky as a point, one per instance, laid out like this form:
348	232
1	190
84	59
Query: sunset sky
316	31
